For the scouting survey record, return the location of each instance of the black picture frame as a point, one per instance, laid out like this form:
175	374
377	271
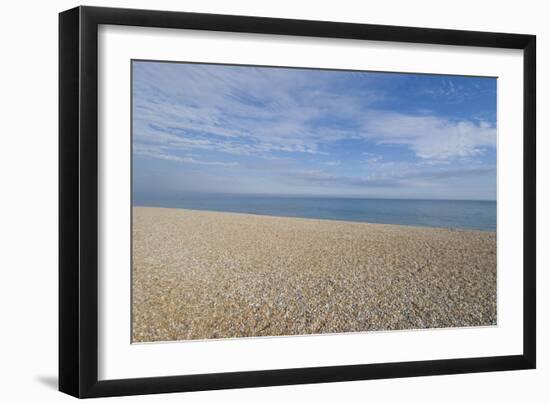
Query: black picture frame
78	201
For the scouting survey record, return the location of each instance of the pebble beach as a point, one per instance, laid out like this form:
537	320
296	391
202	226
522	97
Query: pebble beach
204	274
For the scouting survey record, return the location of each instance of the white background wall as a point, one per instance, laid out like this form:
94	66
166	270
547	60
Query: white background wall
28	202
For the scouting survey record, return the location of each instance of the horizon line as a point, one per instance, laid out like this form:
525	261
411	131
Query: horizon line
282	195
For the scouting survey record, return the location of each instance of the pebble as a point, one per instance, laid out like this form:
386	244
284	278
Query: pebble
200	275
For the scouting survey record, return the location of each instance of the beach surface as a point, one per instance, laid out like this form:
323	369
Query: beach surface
202	274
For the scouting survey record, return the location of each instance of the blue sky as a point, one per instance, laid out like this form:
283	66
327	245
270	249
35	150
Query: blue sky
261	130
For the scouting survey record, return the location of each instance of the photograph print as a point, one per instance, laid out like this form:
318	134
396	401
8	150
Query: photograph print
273	201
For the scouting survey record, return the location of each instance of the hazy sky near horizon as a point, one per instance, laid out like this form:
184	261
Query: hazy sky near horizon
220	128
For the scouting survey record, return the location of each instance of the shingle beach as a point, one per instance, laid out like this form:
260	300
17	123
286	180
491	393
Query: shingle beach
202	274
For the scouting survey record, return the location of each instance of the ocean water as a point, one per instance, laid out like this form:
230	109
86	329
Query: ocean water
478	215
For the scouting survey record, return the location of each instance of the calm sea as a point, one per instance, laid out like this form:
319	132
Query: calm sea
479	215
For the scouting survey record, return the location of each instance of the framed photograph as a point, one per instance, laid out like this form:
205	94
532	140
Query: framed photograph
251	201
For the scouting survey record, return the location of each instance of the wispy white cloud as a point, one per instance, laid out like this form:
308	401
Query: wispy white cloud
250	111
431	137
159	153
255	111
275	119
402	176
